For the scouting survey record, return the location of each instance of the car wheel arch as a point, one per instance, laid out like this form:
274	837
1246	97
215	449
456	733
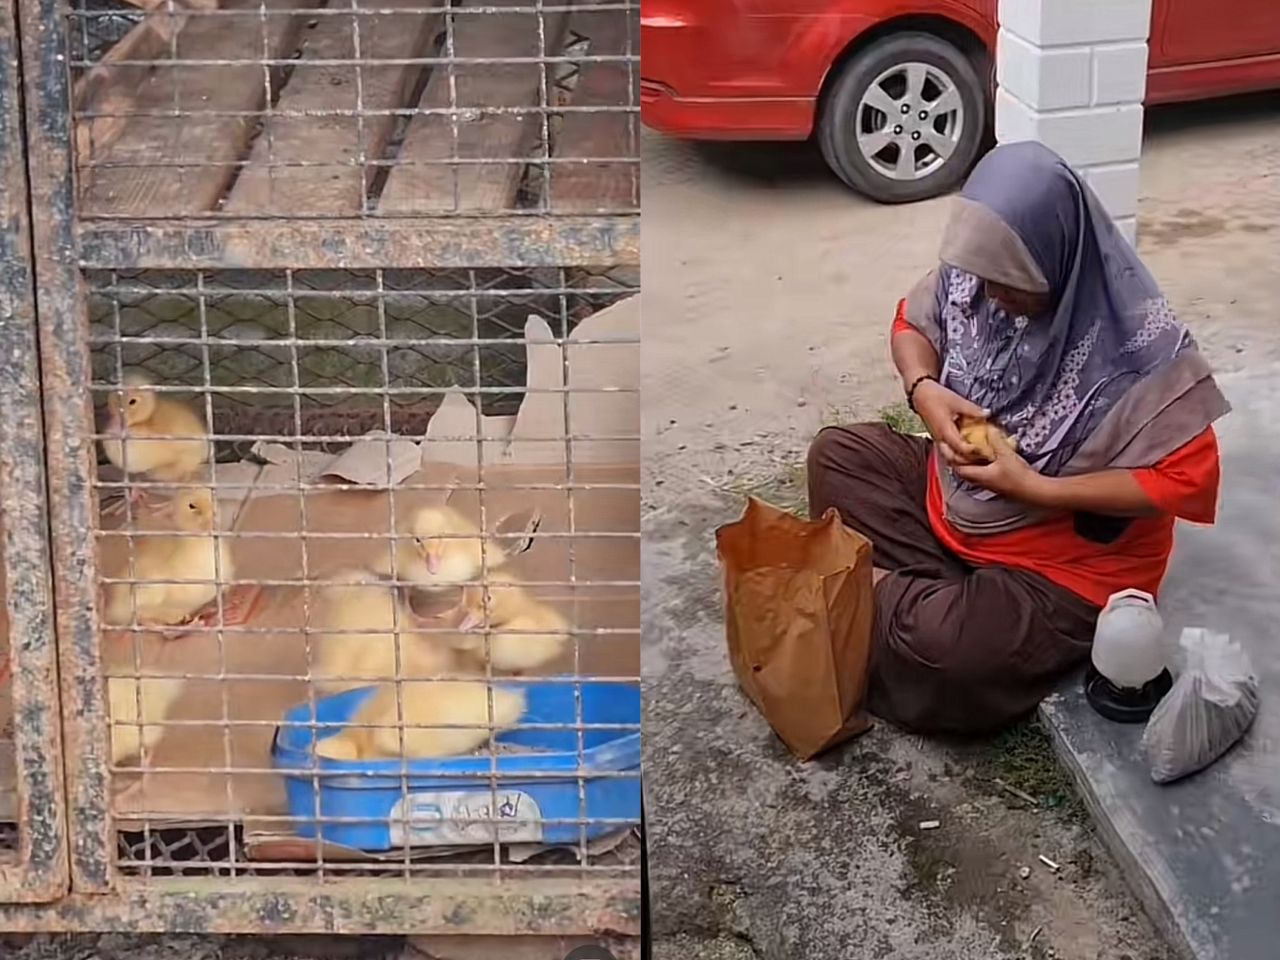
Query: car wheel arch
965	33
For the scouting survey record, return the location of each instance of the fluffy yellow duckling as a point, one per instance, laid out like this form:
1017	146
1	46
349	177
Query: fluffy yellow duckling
978	432
163	556
525	633
443	549
139	420
141	729
422	706
358	624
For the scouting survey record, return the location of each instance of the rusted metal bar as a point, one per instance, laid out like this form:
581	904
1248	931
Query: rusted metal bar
526	948
361	243
496	907
65	369
40	872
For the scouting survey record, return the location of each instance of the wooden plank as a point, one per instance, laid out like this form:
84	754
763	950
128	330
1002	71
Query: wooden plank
210	145
346	145
587	187
108	87
106	91
419	186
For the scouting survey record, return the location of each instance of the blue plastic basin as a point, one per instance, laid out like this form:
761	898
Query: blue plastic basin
544	797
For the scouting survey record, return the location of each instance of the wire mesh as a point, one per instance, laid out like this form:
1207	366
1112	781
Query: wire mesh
354	108
368	579
154	321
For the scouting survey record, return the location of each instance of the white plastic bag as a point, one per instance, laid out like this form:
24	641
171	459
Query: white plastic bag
1211	705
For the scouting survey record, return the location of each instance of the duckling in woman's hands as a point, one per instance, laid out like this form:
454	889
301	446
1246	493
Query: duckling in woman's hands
158	557
524	633
423	705
140	420
978	432
444	548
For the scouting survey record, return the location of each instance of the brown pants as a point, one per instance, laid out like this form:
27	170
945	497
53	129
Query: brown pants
956	649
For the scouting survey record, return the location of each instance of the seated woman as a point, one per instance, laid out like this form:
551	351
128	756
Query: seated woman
990	575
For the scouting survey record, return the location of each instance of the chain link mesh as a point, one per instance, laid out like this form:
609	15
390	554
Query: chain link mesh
166	324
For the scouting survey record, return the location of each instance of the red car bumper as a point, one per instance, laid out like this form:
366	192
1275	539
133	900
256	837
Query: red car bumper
709	118
710	70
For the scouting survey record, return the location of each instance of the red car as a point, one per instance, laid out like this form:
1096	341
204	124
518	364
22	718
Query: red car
846	69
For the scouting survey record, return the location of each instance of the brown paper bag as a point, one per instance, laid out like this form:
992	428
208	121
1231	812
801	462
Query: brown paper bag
798	608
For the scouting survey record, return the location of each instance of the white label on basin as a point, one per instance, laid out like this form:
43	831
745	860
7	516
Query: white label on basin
464	818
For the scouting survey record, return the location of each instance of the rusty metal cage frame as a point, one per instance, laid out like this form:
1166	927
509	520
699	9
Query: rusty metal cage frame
37	870
65	876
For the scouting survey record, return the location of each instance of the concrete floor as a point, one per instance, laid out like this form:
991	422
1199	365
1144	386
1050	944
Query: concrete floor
1204	853
768	291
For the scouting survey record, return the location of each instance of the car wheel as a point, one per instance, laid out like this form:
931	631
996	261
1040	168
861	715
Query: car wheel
904	119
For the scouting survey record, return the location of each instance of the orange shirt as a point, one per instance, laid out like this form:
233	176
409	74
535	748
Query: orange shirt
1182	485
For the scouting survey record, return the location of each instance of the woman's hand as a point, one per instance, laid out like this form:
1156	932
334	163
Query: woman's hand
940	408
1008	475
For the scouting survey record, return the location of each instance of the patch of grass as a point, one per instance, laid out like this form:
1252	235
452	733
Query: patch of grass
1022	757
784	483
838	416
785	486
902	418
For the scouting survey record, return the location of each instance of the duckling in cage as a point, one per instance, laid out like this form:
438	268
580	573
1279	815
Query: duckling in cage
420	580
177	574
420	720
443	548
152	436
524	633
362	631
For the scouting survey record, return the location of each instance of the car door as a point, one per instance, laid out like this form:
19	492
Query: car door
1205	31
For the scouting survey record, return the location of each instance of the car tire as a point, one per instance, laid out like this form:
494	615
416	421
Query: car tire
875	79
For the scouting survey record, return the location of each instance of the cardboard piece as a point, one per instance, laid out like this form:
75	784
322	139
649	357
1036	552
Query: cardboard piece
599	418
603	360
539	434
798	609
600	415
453	430
578	550
376	460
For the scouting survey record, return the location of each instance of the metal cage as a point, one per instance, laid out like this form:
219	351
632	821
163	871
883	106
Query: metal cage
322	229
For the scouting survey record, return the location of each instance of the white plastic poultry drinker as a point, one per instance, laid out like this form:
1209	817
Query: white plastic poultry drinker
1128	675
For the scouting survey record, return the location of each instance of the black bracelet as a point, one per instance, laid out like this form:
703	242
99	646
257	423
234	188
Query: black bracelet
911	391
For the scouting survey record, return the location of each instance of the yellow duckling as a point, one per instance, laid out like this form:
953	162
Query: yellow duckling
140	420
435	719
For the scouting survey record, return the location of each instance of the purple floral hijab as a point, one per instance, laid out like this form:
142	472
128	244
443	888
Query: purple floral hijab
1107	378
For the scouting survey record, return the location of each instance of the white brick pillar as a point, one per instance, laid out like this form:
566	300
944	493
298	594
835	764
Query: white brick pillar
1073	74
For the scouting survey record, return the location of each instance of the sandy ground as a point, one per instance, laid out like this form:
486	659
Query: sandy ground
768	291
